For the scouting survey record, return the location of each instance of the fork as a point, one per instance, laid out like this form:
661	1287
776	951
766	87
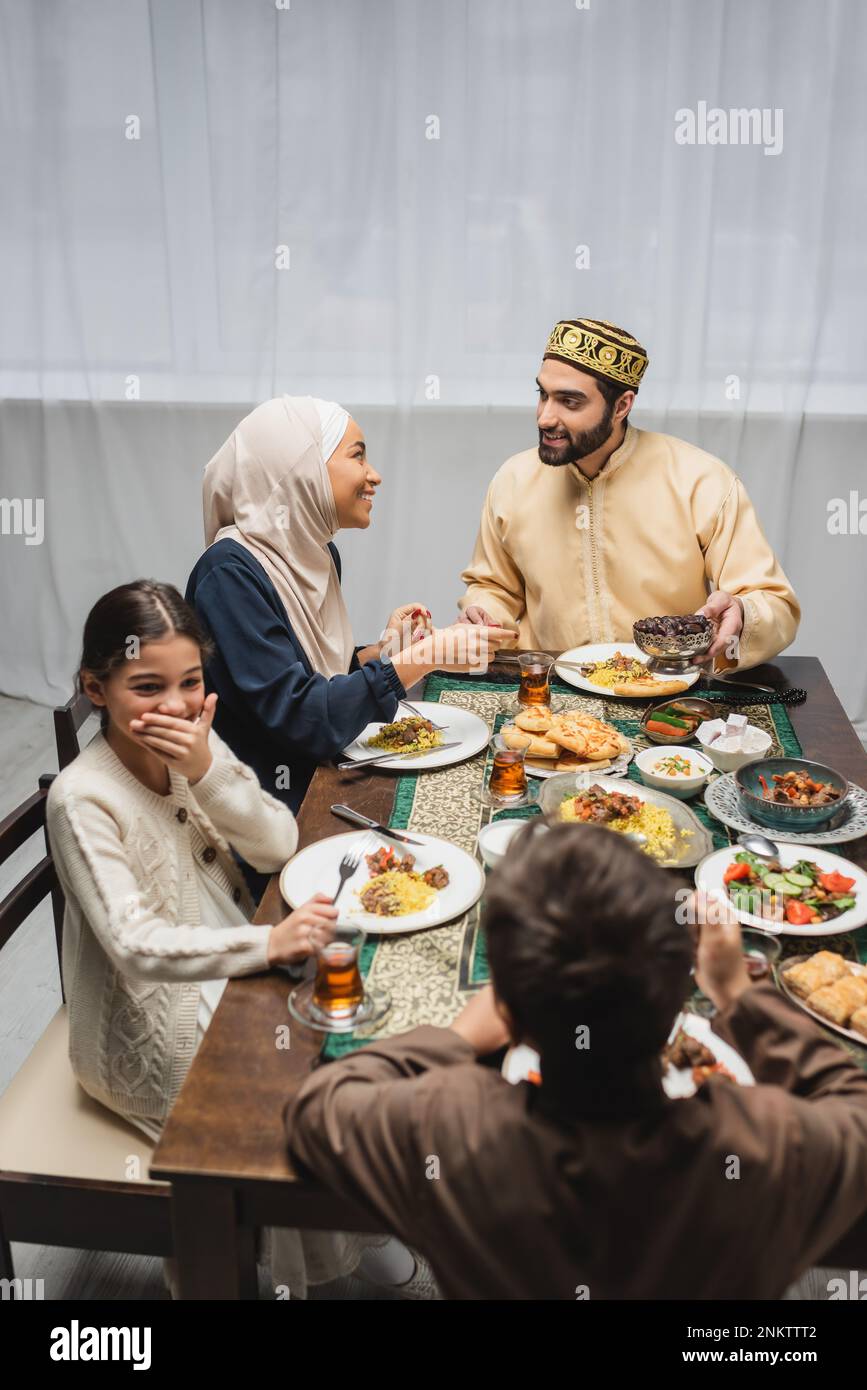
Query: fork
418	714
350	862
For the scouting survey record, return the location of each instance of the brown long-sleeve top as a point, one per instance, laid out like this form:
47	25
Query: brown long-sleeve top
732	1193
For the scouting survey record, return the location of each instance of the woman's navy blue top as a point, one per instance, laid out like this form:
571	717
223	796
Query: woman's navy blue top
274	711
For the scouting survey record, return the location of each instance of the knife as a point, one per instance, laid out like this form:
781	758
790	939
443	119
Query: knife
356	818
714	679
387	757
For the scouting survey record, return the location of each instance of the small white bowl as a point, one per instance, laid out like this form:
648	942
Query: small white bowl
681	787
493	839
730	762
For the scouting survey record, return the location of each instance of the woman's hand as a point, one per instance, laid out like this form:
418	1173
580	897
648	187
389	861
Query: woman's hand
182	744
406	625
303	932
462	647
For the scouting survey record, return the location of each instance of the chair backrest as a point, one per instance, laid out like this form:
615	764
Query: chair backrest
68	719
15	830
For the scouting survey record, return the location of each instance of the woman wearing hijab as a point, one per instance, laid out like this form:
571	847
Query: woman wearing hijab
293	689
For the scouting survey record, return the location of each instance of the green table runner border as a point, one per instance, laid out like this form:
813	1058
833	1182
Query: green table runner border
628	724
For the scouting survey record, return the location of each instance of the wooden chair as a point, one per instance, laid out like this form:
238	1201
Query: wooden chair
68	720
64	1158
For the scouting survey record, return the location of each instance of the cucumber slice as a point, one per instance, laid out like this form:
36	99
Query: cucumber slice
800	880
773	879
780	884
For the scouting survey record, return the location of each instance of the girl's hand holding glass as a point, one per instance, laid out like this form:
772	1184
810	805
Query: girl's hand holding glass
304	932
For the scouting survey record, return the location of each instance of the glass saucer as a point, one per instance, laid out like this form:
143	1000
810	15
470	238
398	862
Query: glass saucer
374	1006
497	803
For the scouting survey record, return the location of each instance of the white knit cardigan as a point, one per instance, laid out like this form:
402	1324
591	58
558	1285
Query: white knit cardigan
134	948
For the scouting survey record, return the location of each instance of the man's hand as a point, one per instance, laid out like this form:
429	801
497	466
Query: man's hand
720	968
480	616
727	612
481	1024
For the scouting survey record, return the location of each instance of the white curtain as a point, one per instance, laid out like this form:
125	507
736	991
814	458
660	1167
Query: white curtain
390	202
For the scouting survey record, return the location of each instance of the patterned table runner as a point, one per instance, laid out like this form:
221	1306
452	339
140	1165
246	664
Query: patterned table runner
431	974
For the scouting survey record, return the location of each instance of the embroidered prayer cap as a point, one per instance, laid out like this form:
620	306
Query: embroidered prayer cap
599	347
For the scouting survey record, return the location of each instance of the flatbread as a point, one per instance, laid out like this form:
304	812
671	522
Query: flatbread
582	734
649	687
536	747
534	721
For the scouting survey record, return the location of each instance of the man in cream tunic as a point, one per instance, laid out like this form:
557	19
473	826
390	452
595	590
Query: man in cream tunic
603	523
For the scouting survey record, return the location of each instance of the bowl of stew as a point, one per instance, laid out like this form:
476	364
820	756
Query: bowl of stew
791	793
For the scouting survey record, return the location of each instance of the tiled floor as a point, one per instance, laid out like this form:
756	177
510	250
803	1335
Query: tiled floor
30	995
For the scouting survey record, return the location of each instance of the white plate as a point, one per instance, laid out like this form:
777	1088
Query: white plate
317	870
802	1003
677	1082
461	726
709	875
601	651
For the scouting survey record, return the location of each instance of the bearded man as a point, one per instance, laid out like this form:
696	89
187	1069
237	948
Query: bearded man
604	523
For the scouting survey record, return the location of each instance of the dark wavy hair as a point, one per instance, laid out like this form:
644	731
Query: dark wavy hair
145	609
581	930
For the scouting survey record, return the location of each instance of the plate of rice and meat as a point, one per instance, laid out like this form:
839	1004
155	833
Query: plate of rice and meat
618	668
419	737
392	890
663	827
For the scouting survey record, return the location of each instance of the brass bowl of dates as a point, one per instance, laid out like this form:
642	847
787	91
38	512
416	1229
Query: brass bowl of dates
674	639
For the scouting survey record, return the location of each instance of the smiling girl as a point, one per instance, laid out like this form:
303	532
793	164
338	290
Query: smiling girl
142	827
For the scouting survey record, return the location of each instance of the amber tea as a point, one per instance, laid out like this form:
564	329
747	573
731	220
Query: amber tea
338	989
508	776
534	687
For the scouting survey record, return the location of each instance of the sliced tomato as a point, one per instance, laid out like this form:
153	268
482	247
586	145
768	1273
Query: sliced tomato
798	914
736	871
836	883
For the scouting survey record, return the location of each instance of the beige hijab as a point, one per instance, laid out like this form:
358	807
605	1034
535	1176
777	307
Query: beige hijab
268	489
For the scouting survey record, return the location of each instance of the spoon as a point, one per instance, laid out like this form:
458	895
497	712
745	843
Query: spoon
759	844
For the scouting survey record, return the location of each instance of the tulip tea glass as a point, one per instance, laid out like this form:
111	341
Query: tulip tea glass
507	784
534	688
337	999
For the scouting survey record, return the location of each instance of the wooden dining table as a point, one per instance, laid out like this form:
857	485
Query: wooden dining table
224	1148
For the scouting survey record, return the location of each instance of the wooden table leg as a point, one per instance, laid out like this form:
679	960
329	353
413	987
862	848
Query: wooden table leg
216	1257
